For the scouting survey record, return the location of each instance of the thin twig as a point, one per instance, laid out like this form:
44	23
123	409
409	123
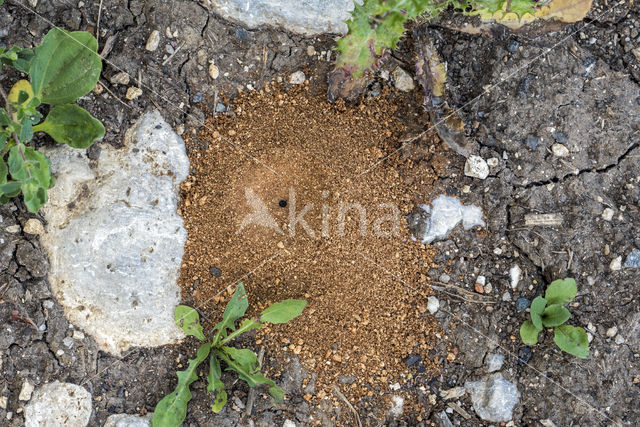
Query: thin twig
338	393
98	23
104	85
252	392
166	61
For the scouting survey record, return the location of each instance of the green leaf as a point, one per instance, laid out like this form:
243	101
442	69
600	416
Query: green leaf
245	326
537	308
572	340
17	165
529	333
215	384
4	118
283	311
3	172
15	57
245	363
11	188
561	291
72	125
65	66
172	410
35	196
555	315
188	319
235	309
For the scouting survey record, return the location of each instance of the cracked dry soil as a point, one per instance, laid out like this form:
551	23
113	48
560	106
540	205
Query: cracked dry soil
583	94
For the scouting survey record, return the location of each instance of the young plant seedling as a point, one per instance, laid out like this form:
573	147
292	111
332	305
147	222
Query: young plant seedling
172	409
64	67
550	312
378	25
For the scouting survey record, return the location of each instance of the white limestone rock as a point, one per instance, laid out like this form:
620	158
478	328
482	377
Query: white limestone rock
58	404
114	238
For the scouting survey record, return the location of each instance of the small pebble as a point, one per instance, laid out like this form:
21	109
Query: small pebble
522	304
153	41
133	92
215	271
619	339
493	162
26	391
476	167
616	264
403	81
13	229
412	359
297	78
214	72
559	150
444	278
121	78
311	51
68	342
78	335
607	214
506	296
524	355
494	362
433	304
633	259
612	331
33	226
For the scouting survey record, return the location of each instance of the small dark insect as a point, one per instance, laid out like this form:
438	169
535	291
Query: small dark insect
282	203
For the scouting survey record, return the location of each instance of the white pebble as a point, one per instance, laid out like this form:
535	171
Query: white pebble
619	339
607	214
612	331
297	78
121	78
493	162
616	264
13	229
153	41
515	273
26	391
214	72
476	167
559	150
433	304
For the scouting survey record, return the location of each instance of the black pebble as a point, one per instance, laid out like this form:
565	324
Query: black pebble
282	203
524	355
215	271
413	359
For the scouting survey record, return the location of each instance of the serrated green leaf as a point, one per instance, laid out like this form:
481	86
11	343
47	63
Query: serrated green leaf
561	291
529	333
172	410
572	340
65	66
555	315
188	320
537	308
72	125
283	311
215	384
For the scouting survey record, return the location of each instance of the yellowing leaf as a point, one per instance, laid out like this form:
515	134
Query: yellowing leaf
559	10
20	86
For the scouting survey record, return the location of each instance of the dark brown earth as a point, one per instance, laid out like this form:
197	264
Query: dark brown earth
585	88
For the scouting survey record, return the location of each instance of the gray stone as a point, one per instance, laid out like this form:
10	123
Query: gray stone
633	259
297	78
114	238
58	404
309	17
32	259
494	362
493	398
126	420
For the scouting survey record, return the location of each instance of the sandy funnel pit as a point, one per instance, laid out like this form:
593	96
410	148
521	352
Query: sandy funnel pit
287	150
